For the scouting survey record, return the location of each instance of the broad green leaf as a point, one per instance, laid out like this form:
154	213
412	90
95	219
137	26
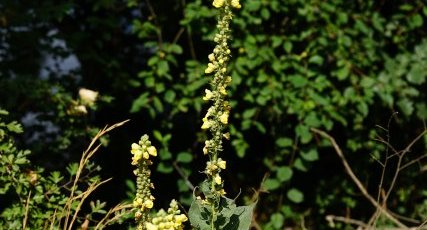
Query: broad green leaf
249	113
241	219
199	215
310	154
295	195
342	73
298	81
316	59
170	96
304	133
277	219
287	46
165	154
299	164
184	157
164	168
417	74
140	102
416	20
284	142
406	106
271	184
15	127
284	173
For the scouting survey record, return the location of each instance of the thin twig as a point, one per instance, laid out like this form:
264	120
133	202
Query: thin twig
332	218
413	161
398	168
87	154
159	29
92	187
178	35
27	209
107	220
373	220
183	175
356	179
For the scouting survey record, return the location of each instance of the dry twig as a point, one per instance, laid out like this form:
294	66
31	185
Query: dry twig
356	179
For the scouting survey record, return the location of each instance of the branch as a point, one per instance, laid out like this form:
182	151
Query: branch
356	179
332	218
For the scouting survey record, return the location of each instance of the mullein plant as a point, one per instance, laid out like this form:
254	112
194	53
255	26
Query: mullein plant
214	210
142	152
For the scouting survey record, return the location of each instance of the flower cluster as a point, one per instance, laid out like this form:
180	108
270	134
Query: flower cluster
143	201
87	98
170	220
221	3
217	116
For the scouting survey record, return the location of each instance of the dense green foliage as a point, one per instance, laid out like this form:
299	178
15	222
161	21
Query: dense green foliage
36	199
340	66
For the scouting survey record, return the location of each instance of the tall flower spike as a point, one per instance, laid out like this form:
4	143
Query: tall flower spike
143	201
217	116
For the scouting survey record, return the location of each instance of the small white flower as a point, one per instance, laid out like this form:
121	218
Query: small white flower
87	96
81	109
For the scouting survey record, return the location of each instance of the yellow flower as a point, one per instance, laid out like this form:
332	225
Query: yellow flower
206	123
148	204
146	155
137	202
150	226
152	151
211	57
136	157
208	95
224	118
210	168
221	163
222	90
235	4
210	69
218	3
180	218
135	146
217	179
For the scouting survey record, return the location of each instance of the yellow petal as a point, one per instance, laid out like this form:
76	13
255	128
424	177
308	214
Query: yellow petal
218	3
224	118
235	4
148	203
222	164
146	155
152	151
218	179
